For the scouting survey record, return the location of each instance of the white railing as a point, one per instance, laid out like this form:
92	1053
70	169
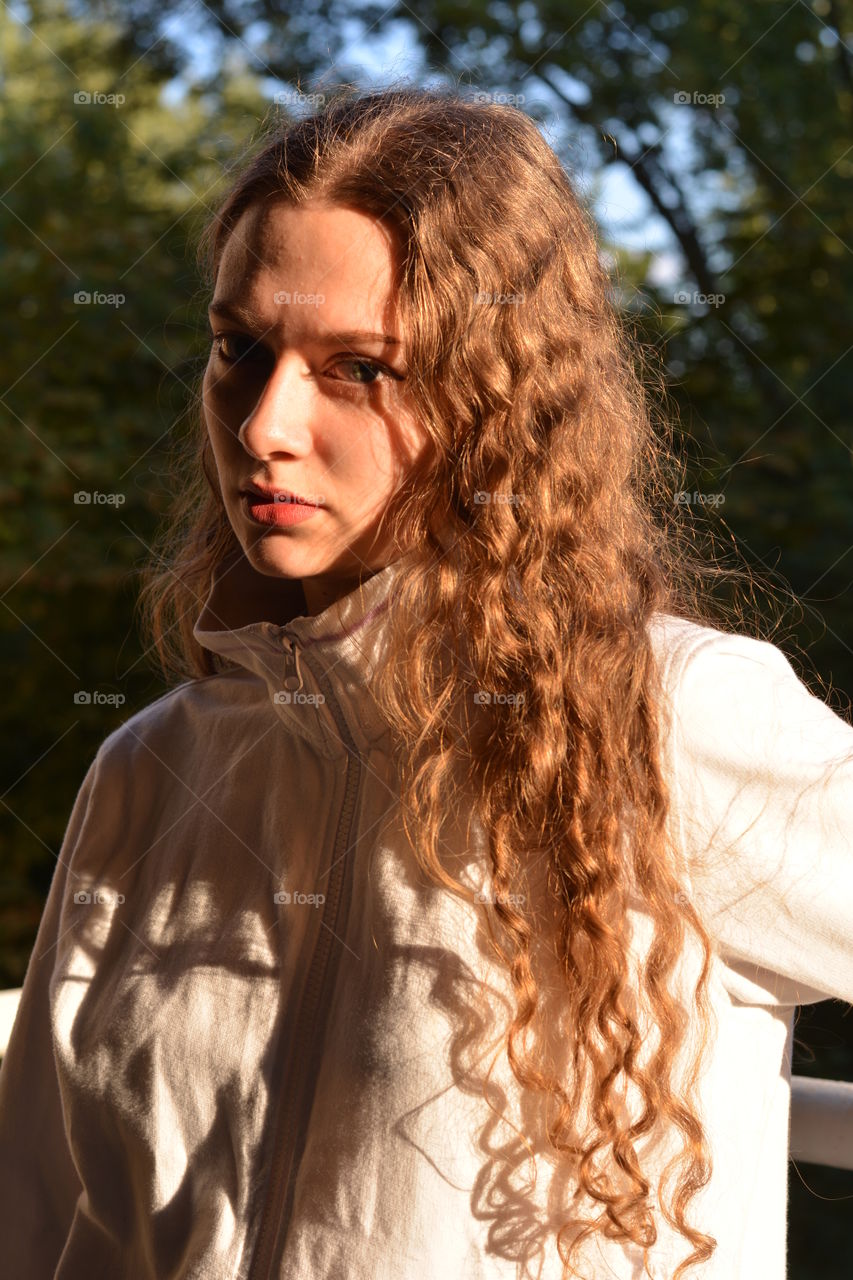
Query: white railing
821	1122
821	1110
8	1008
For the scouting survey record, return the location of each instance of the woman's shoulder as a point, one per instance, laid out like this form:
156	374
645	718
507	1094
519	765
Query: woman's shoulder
763	792
183	717
713	677
680	642
737	717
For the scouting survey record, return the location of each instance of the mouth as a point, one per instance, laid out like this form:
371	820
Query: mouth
258	496
276	508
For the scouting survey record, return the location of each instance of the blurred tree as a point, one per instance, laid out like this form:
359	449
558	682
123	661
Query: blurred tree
102	186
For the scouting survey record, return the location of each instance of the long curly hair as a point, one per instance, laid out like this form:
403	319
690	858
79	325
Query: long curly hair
546	535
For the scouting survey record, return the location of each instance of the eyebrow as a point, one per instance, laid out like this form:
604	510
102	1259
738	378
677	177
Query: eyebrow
242	315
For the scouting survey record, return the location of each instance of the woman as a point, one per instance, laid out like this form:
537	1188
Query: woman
450	916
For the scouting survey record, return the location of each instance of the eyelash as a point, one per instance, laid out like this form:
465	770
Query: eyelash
218	338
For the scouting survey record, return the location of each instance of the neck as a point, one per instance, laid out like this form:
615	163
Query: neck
321	592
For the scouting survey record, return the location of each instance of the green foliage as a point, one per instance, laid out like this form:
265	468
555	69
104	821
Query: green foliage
102	199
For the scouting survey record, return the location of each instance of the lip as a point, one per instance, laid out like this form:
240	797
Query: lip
268	493
270	507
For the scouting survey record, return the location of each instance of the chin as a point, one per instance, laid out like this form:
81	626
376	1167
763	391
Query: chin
277	555
264	555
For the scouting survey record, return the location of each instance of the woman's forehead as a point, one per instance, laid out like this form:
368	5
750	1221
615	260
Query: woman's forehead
336	260
334	238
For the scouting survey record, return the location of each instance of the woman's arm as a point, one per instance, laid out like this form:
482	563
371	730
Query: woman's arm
764	800
39	1186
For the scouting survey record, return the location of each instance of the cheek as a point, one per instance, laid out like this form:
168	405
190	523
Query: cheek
217	405
413	440
228	399
411	437
381	458
416	440
209	398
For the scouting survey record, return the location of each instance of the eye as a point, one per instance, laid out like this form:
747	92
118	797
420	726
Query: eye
369	371
232	347
237	348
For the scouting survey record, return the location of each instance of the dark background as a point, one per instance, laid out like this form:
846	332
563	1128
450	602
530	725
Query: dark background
731	126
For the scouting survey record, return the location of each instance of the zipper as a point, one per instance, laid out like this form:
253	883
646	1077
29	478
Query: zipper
293	678
294	1107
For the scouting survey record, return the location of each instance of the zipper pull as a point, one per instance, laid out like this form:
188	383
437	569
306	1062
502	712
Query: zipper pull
293	675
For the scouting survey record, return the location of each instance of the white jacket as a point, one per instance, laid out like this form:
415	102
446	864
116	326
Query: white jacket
244	1044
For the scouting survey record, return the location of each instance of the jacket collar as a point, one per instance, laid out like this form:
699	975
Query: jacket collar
317	669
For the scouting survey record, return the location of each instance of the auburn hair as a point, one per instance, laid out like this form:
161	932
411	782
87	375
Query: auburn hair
535	393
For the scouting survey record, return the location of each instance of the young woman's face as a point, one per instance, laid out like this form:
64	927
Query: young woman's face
301	393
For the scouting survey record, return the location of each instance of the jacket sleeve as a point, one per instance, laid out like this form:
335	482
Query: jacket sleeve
39	1185
764	798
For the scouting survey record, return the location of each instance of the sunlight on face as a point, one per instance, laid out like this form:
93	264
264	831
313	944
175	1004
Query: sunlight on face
295	401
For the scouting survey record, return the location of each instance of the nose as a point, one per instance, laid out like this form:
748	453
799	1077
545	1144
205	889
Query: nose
280	422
